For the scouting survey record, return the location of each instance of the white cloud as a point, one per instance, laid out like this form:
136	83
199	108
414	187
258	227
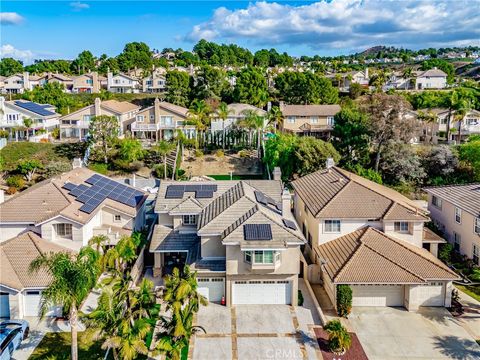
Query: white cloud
79	6
10	18
8	50
353	24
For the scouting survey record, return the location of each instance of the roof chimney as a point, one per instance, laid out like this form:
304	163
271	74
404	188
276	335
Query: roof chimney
329	163
96	107
286	204
77	163
277	173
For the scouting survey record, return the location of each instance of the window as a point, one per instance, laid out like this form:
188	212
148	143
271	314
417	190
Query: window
476	254
117	218
166	120
330	120
189	219
458	215
64	230
477	225
140	118
401	226
437	202
332	226
456	241
149	82
314	120
160	82
86	117
291	119
248	257
89	81
263	257
152	118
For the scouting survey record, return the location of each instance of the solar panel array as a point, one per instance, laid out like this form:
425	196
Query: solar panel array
34	107
290	224
257	232
102	188
266	200
201	191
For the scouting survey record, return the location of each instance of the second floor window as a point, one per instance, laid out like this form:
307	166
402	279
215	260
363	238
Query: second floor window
330	120
476	254
140	118
401	226
291	119
457	240
117	218
458	215
189	219
86	117
64	230
477	225
332	226
314	120
437	202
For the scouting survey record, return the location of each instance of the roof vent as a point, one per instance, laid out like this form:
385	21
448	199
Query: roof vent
329	163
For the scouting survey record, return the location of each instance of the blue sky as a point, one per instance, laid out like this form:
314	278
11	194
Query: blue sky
61	29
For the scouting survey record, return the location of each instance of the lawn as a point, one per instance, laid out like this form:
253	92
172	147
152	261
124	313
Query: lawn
56	346
473	291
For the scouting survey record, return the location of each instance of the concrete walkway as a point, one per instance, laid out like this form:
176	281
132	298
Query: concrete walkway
470	320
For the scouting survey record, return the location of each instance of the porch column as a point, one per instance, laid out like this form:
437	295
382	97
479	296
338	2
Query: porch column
158	263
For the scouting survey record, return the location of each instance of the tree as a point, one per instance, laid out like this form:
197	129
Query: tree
122	254
429	118
10	66
407	74
52	93
351	136
251	88
199	115
339	340
469	153
223	112
401	164
131	149
387	121
280	151
275	117
256	123
85	62
104	131
108	64
27	122
28	168
163	148
439	162
311	154
135	55
177	87
73	277
210	82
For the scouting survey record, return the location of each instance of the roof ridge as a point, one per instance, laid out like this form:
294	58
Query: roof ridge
354	252
247	215
281	225
349	180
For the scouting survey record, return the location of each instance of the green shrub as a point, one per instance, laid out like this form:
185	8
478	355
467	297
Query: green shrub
55	168
369	174
56	133
159	171
101	168
344	300
243	153
300	298
445	252
4	134
15	181
339	340
219	153
198	153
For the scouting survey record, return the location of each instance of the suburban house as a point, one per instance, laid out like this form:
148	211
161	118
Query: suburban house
122	83
430	79
75	125
68	210
13	113
455	210
309	120
87	83
236	113
353	77
468	125
21	290
154	83
64	80
240	237
372	238
18	83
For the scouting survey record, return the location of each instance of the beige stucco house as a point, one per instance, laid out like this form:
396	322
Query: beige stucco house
86	83
455	210
240	236
309	120
123	83
372	238
75	125
236	113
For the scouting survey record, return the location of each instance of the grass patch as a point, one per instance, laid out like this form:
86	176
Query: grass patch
101	168
17	151
56	346
473	291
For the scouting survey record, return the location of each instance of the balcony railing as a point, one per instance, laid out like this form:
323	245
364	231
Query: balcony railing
144	126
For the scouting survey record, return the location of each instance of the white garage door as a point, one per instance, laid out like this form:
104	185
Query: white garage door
430	294
212	288
261	292
4	306
377	295
32	299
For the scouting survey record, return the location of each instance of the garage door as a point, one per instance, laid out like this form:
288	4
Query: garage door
212	288
32	299
430	294
261	292
377	295
4	306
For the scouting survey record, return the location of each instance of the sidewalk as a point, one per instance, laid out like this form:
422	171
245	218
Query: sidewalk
470	320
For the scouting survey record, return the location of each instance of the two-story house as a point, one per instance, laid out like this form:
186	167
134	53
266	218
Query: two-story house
154	83
455	210
160	121
430	79
236	113
122	83
18	83
13	114
240	237
468	125
86	83
309	120
75	125
372	238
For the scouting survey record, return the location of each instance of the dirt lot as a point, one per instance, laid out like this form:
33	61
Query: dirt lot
211	164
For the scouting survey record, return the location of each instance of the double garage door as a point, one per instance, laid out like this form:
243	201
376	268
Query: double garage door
212	288
261	292
32	302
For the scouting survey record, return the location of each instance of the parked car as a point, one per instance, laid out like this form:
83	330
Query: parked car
12	333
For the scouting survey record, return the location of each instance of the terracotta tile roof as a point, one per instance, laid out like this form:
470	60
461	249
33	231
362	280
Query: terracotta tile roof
466	197
119	106
180	110
430	237
370	256
337	193
15	257
309	110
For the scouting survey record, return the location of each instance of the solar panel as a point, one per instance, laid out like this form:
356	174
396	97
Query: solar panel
203	194
192	188
212	188
92	180
176	187
261	198
257	232
289	224
34	107
174	194
79	190
87	208
69	186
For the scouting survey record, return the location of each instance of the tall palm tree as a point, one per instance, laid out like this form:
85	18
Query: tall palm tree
407	74
222	112
454	103
27	122
73	277
428	118
275	117
118	257
199	115
461	111
256	123
163	148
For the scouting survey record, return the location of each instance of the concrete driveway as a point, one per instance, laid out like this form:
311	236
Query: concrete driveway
394	333
255	332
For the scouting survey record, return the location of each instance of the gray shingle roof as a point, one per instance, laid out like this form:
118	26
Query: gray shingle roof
466	197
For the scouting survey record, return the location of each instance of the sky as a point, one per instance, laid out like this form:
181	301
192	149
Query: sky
61	29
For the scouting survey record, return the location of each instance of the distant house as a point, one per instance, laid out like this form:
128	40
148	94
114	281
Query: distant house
86	83
430	79
154	83
13	113
18	83
237	112
50	78
75	125
309	120
122	83
160	121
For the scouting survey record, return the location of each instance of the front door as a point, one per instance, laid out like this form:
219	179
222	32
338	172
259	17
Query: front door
174	260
